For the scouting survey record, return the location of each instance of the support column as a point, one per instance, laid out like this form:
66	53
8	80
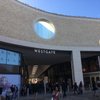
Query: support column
76	65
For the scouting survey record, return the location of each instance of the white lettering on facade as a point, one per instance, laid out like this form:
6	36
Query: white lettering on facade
44	51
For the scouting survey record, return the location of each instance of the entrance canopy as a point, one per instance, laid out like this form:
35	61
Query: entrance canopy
37	56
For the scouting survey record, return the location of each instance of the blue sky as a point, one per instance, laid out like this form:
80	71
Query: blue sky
87	8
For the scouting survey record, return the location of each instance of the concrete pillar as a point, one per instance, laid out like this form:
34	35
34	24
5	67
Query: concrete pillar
77	74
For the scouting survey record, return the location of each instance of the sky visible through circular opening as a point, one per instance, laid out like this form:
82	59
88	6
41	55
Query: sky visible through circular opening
44	29
84	8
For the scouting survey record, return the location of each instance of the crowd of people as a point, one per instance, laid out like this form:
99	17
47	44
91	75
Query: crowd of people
61	90
56	89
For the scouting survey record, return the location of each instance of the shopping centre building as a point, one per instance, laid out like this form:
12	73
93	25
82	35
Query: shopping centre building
38	44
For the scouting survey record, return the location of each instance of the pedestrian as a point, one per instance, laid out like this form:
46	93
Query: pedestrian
75	88
94	87
56	94
64	88
80	88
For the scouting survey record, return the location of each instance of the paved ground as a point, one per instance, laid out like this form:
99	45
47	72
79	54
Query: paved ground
70	96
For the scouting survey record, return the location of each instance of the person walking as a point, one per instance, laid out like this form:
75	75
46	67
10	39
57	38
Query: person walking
64	88
56	94
94	87
80	88
75	88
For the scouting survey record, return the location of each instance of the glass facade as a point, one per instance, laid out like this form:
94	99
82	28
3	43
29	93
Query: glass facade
90	64
9	57
91	69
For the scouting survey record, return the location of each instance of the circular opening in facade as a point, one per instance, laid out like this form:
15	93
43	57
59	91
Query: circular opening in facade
44	29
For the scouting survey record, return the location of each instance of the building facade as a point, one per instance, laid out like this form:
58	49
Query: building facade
20	23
